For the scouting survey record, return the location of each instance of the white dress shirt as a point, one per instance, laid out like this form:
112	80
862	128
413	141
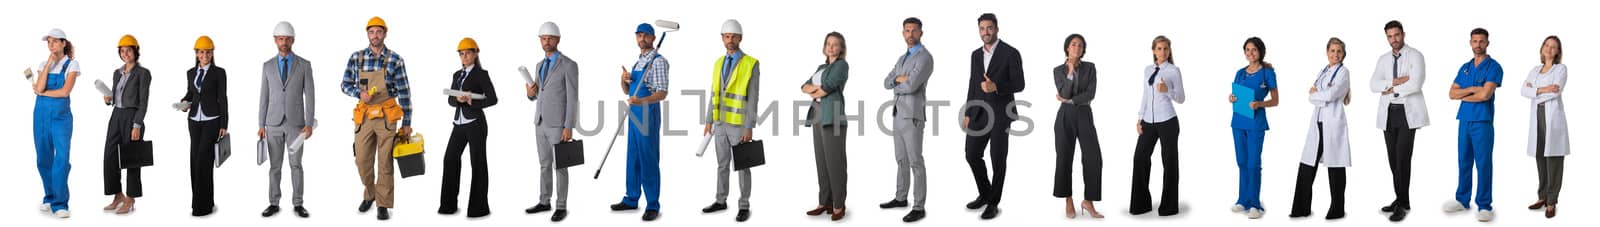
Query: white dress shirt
1156	107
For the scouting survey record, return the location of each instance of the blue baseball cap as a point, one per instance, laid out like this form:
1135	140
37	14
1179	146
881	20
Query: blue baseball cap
645	28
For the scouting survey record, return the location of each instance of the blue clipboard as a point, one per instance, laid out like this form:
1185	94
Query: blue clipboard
1245	95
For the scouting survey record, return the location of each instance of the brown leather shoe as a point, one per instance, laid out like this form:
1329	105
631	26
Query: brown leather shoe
1536	205
838	214
818	211
1550	211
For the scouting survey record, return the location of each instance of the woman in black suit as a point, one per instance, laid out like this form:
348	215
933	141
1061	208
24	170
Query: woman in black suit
471	129
207	112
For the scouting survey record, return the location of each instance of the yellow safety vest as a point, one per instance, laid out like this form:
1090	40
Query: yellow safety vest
728	101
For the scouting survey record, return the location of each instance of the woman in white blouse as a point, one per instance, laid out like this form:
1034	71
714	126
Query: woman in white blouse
1547	136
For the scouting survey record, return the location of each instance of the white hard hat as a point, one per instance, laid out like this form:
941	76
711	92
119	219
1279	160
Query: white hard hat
55	33
732	26
283	29
550	29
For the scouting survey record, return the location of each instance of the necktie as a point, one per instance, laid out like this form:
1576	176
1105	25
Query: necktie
727	68
1152	80
544	68
283	69
199	78
1396	71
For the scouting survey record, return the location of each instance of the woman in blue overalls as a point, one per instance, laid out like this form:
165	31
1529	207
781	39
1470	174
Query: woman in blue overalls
1249	132
52	121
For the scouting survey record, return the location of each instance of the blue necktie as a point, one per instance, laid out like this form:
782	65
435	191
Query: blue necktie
544	69
283	69
1153	76
199	78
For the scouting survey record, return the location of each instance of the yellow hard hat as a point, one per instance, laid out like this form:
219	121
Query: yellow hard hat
376	21
127	41
467	43
204	43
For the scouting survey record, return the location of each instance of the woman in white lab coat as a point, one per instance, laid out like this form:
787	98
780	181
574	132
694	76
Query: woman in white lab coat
1327	142
1547	131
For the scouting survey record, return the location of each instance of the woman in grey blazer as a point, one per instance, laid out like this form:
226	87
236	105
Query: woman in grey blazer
129	99
826	119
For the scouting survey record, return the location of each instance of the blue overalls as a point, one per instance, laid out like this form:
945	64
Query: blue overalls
644	144
1475	137
1249	134
52	140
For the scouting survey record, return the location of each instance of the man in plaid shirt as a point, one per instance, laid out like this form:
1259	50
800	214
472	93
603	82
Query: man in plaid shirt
375	136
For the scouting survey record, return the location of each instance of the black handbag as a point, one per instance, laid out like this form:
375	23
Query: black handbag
749	154
135	154
569	154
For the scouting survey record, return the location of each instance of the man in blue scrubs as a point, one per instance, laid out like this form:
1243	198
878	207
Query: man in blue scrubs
1474	85
646	86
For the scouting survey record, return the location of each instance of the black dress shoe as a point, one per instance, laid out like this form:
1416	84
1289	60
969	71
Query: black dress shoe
1299	214
1139	210
990	213
271	210
1399	214
447	210
914	216
892	204
302	212
383	213
651	215
976	203
714	207
622	207
366	205
1387	209
1165	213
477	214
744	215
537	208
204	212
1334	214
559	215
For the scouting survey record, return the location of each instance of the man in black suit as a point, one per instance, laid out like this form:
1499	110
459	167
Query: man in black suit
996	76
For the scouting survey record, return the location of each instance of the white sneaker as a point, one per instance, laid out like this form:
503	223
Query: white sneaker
63	213
1452	207
44	207
1485	215
1255	213
1238	208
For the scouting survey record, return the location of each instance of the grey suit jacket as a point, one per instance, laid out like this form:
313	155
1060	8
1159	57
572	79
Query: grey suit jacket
910	98
291	102
559	109
135	95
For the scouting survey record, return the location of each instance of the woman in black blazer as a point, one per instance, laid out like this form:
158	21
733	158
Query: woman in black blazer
471	129
207	112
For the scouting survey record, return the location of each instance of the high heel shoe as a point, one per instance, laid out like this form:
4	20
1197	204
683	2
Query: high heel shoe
116	200
127	206
1072	212
1088	206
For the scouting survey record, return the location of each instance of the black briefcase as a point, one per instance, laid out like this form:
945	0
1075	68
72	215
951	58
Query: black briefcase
749	154
135	154
569	154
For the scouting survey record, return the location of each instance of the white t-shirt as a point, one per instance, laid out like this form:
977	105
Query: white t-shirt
70	68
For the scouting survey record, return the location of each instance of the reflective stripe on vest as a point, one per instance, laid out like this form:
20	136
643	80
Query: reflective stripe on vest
729	100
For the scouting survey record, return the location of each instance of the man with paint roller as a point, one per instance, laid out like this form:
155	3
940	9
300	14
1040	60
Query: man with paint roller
735	85
377	76
646	87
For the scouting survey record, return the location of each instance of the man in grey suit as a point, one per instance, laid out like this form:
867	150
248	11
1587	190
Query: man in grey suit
908	80
557	81
288	104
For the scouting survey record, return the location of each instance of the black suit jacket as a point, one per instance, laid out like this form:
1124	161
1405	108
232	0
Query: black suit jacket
1005	69
477	82
212	97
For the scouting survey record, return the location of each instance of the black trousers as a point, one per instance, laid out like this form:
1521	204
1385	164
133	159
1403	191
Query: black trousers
1167	133
1308	175
1074	125
1400	138
998	141
462	136
203	136
118	132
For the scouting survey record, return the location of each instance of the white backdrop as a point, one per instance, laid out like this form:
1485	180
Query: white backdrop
787	37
